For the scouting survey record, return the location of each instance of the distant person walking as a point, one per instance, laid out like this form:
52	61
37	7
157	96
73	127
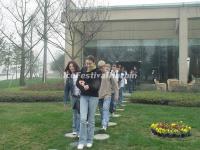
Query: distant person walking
121	85
131	81
114	72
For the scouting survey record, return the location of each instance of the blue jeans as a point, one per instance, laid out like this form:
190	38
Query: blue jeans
121	95
88	105
76	116
104	105
112	104
131	85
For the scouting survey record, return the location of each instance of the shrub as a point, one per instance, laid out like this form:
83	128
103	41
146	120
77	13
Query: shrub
167	98
194	88
146	87
29	96
45	87
179	88
186	88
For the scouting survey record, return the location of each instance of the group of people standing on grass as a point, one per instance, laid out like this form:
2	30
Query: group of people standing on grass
89	87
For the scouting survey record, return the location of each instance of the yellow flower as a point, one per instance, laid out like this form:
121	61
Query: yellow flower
173	124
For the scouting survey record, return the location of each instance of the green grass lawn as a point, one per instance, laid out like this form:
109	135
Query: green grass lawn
41	126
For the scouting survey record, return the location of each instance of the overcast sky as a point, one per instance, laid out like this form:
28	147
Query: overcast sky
135	2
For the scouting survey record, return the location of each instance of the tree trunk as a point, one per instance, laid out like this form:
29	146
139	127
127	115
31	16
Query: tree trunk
7	71
16	69
44	75
22	70
31	53
73	41
31	64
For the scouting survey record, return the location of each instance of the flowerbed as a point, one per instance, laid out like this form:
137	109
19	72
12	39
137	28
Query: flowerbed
170	129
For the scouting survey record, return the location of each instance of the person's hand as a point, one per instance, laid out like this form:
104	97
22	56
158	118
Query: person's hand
82	83
116	98
86	87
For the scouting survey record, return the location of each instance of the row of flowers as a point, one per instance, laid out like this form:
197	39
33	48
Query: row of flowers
177	129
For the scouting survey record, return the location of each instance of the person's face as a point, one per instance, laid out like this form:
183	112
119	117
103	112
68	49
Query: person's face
114	67
107	69
71	68
89	63
103	69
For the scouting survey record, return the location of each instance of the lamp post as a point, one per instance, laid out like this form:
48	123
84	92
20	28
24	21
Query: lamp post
188	66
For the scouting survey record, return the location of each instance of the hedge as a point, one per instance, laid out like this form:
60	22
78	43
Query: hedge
166	98
29	96
45	87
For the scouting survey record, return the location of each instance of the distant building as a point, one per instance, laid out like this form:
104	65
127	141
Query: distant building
163	37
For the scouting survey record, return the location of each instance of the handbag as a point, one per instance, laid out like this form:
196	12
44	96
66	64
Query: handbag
77	106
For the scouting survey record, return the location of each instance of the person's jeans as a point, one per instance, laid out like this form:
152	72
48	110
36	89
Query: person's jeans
112	104
76	116
100	104
121	95
131	85
88	105
104	105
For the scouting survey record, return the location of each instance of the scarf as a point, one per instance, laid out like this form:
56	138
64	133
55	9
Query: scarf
92	67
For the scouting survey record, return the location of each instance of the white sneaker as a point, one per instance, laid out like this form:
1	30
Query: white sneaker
80	146
104	128
89	145
74	133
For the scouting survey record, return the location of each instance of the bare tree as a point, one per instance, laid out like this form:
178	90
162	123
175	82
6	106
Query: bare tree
82	18
9	56
81	22
47	9
21	19
2	47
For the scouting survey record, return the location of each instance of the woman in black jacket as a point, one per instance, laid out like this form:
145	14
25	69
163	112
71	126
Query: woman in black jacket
89	83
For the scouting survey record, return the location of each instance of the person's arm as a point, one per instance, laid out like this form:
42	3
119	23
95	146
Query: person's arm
115	87
96	82
80	82
66	93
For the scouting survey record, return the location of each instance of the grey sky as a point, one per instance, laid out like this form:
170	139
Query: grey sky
134	2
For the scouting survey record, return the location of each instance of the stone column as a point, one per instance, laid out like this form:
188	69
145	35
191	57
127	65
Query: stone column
183	45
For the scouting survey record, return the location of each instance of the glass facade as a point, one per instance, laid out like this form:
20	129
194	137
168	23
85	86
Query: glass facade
194	54
194	47
148	45
147	55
